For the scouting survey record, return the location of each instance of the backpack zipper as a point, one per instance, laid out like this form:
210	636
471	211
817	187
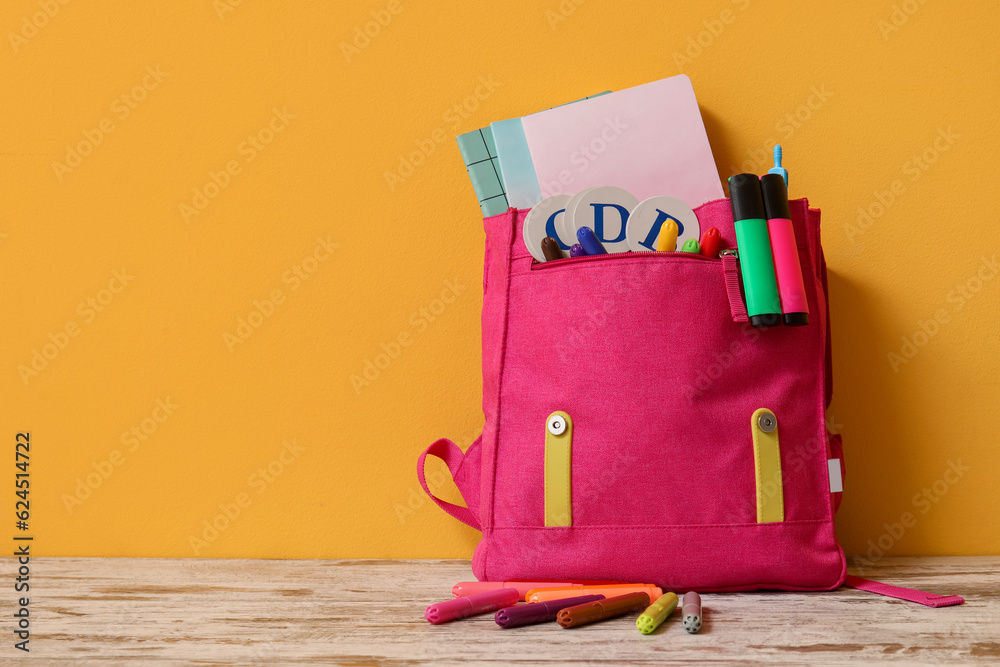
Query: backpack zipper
536	265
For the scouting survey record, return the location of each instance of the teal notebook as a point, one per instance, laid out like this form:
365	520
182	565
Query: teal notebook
480	156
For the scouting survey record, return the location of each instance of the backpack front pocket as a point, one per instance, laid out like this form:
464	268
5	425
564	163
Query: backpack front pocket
641	352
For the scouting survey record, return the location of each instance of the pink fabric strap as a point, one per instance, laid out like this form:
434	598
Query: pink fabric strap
449	452
909	594
736	305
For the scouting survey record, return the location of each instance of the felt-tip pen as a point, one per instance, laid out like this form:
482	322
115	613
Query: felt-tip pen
472	587
480	603
711	242
656	613
691	612
538	612
590	612
551	249
777	168
545	594
588	239
667	240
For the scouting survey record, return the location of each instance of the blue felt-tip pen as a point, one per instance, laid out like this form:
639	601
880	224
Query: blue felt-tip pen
588	239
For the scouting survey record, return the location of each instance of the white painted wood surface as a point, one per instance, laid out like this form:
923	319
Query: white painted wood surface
183	611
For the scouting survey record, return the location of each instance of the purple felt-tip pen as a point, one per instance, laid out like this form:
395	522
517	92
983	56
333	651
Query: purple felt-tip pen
538	612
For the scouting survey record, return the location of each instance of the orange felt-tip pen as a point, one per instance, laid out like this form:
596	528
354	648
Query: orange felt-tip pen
546	594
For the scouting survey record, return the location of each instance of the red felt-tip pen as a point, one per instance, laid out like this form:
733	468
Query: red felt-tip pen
711	242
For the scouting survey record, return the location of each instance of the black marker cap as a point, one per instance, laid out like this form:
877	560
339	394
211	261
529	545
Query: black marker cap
775	196
745	197
795	319
765	321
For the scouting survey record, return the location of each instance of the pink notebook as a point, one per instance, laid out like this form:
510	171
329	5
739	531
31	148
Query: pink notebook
649	140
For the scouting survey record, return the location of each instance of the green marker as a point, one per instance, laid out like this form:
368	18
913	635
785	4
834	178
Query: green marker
656	613
691	246
754	245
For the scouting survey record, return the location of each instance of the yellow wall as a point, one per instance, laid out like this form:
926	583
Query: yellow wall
311	214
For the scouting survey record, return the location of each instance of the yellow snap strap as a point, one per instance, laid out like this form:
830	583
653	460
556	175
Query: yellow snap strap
767	466
558	494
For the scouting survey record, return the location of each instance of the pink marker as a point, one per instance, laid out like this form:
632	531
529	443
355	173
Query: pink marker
480	603
788	271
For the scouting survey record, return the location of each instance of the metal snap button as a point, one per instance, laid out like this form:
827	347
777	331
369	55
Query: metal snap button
556	425
767	422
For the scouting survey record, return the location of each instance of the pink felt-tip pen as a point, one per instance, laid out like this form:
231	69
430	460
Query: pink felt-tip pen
480	603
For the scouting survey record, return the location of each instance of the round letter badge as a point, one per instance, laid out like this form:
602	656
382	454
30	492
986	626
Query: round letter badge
646	219
541	222
606	211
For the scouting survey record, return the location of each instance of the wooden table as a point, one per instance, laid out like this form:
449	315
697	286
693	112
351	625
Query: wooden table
370	612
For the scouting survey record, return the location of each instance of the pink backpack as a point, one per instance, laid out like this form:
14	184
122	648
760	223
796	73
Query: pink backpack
669	404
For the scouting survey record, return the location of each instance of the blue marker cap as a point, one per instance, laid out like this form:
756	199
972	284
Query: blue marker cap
588	239
777	168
